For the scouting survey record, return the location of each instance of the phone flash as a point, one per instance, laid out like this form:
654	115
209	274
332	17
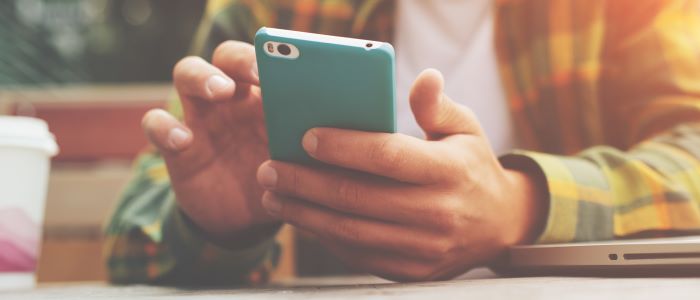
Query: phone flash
270	47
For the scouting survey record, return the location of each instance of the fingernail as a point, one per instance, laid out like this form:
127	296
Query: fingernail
310	142
177	138
268	177
217	83
271	204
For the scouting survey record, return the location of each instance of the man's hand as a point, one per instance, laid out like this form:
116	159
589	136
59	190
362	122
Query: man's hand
213	156
404	208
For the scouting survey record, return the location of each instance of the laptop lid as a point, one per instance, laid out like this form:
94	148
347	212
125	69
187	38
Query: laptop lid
679	255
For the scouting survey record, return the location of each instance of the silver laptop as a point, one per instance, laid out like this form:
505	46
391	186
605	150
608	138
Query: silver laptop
659	256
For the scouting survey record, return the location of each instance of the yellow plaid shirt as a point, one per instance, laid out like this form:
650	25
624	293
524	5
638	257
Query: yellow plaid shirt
605	95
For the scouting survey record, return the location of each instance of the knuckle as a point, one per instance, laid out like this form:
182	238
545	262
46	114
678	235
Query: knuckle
345	230
462	173
231	53
470	171
463	111
388	154
222	51
186	68
146	119
440	248
472	119
348	194
468	174
446	216
448	163
451	221
148	122
468	112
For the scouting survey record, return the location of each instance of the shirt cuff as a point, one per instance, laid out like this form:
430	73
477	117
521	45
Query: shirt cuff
246	265
568	180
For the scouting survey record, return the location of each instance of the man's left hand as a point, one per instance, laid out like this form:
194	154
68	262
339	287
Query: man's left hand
405	208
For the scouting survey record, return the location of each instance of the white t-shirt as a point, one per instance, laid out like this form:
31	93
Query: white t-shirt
455	37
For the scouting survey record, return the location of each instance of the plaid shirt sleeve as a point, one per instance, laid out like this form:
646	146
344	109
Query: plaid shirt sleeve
604	193
653	187
148	238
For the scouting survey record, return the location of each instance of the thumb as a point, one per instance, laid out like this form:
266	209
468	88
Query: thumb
165	132
436	113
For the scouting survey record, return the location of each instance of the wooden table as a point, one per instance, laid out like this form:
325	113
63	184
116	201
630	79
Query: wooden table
478	284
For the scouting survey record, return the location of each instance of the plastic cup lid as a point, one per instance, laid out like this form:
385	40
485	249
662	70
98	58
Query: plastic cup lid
26	132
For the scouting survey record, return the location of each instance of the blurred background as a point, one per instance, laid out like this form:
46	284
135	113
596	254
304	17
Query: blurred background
91	69
58	42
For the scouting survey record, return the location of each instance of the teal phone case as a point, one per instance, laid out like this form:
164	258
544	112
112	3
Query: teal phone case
327	85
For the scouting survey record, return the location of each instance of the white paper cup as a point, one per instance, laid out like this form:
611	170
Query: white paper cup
26	146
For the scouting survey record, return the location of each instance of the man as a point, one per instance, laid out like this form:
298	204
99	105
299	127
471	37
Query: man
603	94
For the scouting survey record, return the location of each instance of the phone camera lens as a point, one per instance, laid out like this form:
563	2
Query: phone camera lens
369	45
284	49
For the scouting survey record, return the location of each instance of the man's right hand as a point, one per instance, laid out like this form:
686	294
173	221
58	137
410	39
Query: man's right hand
213	157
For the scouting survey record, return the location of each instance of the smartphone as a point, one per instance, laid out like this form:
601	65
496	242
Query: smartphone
312	80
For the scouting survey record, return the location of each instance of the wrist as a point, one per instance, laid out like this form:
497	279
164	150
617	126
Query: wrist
528	196
235	239
246	238
529	206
